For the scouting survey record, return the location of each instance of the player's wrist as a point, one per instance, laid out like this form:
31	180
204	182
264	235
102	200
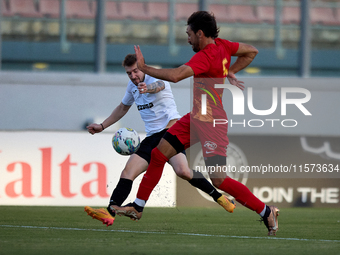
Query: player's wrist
142	67
101	124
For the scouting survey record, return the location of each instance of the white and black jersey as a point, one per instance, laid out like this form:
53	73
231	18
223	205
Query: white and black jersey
156	109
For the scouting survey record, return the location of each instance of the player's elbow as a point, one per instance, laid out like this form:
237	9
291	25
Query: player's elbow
253	53
247	51
175	79
250	56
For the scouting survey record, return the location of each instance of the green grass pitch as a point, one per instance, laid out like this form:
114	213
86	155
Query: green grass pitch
68	230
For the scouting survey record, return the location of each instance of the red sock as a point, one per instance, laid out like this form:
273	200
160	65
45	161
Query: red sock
153	174
242	194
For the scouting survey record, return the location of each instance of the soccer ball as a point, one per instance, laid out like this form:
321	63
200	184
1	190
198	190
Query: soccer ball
126	141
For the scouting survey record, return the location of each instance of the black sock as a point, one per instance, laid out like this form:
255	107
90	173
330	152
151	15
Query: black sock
201	183
266	214
120	193
137	207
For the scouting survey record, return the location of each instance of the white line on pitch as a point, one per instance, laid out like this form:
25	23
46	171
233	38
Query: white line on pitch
169	233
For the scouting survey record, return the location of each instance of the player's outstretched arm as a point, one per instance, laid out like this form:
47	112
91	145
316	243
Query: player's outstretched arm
94	128
172	74
116	115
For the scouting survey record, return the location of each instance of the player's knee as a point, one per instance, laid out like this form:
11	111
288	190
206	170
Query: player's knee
217	182
129	173
183	172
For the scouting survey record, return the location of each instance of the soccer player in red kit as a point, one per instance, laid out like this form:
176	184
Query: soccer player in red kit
209	66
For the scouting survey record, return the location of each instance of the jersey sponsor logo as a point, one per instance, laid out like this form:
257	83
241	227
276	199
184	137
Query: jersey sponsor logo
210	146
133	92
144	106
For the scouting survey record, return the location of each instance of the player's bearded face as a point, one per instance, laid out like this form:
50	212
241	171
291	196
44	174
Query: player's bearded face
135	75
193	39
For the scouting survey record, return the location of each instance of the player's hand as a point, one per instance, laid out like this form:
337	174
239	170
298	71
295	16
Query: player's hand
233	81
142	88
140	58
94	128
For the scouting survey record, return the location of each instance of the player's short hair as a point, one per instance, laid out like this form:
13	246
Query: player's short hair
205	21
129	60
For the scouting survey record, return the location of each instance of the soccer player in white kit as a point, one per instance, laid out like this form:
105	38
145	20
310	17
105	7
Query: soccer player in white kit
158	110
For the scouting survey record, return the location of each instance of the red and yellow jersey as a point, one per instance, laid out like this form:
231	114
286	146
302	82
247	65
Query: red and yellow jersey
211	66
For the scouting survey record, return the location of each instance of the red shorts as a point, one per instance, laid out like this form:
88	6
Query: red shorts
214	140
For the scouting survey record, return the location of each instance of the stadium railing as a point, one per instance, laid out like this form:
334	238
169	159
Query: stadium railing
255	13
147	21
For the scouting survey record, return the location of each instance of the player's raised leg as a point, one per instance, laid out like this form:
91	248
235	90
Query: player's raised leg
149	181
196	179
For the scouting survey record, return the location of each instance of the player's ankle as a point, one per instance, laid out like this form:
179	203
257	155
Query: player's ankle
137	207
111	212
